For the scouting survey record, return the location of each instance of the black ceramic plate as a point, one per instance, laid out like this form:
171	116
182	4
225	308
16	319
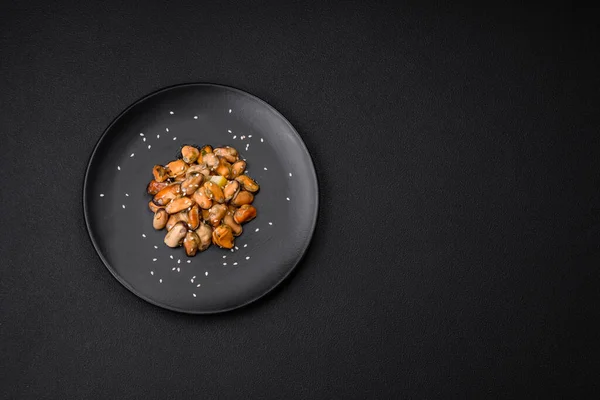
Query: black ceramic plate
151	132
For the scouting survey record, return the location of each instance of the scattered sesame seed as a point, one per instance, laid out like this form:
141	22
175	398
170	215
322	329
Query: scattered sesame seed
156	247
178	269
287	198
229	130
224	263
171	256
234	136
173	269
158	136
119	168
189	261
249	136
141	134
195	117
206	273
194	294
230	111
174	138
101	194
265	168
154	259
143	235
160	281
270	223
257	229
261	140
237	248
290	174
232	250
123	205
247	258
126	194
151	272
171	112
224	256
235	263
144	139
192	280
179	261
198	285
246	245
149	147
167	129
132	154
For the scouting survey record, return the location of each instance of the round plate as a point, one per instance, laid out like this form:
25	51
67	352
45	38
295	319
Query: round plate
152	131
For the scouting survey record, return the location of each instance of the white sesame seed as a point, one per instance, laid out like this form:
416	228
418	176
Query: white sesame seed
234	136
247	258
261	140
224	263
287	198
229	130
101	194
232	250
171	112
144	139
237	248
192	280
151	272
154	259
167	129
206	273
173	269
235	263
123	205
178	269
195	117
270	223
179	261
198	285
230	111
265	168
158	136
171	256
257	229
189	261
143	235
290	174
149	147
132	154
126	194
194	294
160	281
174	138
224	256
156	247
141	134
246	245
249	136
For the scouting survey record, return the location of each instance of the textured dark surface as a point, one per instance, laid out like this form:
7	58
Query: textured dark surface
457	247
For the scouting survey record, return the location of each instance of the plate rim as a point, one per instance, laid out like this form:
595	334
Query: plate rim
123	281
